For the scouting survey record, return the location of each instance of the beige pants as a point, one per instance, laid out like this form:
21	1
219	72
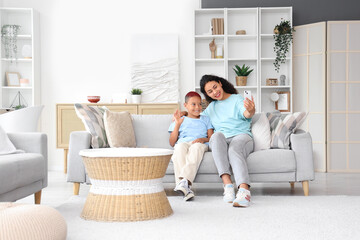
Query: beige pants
187	158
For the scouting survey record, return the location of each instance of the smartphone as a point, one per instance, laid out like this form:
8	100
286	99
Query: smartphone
247	94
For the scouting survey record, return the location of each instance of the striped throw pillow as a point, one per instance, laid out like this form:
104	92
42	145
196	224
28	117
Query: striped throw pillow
93	119
282	128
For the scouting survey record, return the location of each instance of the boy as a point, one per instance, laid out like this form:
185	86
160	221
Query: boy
190	136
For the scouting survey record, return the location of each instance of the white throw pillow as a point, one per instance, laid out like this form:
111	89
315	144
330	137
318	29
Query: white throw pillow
6	146
261	133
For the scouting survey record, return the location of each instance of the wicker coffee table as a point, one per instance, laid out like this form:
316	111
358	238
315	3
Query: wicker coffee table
126	184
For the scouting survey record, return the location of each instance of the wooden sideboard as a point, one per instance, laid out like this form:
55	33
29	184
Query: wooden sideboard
67	121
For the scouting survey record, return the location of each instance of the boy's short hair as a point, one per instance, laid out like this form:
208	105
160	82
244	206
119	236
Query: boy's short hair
190	95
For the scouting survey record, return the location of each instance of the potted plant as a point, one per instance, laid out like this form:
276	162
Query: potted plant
283	38
136	95
241	74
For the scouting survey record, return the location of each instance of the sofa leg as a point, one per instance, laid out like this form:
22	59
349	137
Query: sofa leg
76	188
305	185
292	185
37	197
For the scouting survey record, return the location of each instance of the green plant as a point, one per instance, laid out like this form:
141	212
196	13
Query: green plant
136	91
283	39
242	71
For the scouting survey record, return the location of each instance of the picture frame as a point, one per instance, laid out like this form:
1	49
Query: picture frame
13	79
283	104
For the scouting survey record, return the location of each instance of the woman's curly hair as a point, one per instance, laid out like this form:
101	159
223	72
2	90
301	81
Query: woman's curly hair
226	86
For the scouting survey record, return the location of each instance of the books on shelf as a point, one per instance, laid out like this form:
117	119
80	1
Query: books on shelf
217	26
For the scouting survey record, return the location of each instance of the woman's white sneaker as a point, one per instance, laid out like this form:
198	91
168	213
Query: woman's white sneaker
243	197
229	193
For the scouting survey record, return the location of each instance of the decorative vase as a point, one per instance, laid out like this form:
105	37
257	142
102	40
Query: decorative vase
241	80
136	98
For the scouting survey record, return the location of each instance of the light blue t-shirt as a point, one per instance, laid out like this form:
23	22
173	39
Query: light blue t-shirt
192	128
227	116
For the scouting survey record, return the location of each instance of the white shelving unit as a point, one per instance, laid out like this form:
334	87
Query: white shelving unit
28	68
254	49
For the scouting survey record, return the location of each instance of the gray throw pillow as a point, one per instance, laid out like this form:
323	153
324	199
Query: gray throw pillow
92	117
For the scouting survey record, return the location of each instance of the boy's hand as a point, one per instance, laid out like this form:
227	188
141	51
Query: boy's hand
199	140
178	118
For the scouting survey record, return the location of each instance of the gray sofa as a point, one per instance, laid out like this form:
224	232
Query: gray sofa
273	165
23	174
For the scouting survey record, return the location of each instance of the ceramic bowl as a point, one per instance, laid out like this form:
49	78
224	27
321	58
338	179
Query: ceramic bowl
93	99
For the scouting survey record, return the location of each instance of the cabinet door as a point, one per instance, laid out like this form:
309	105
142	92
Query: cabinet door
67	122
146	109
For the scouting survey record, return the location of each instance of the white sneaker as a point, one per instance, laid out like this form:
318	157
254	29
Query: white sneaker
190	195
229	193
184	189
242	198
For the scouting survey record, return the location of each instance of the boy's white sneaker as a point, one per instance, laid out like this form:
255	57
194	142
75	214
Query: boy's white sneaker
229	193
242	198
184	188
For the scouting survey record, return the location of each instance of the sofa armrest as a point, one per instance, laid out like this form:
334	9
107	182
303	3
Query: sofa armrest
79	140
301	144
32	142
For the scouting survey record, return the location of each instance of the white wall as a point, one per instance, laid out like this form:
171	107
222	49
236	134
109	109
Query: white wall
86	49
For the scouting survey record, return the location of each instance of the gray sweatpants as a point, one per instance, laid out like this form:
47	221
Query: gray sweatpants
232	153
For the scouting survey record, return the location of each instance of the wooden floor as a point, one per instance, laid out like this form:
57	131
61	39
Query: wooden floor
58	190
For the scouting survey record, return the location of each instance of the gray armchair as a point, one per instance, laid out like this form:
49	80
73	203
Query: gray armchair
23	174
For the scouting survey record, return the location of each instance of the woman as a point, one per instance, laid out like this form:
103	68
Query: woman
232	141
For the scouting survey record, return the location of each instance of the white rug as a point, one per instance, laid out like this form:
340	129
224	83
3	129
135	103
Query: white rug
269	217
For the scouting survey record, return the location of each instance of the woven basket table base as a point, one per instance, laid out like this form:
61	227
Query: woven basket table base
126	188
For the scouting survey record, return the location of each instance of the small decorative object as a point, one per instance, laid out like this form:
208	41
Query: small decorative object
212	47
13	78
242	74
274	97
93	99
219	51
26	51
282	80
241	32
9	39
19	102
283	39
24	82
271	82
136	95
283	104
210	30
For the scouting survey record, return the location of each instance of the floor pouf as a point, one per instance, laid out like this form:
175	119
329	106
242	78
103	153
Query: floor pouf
30	222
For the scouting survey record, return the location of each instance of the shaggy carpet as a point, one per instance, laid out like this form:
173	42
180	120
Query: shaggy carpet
269	217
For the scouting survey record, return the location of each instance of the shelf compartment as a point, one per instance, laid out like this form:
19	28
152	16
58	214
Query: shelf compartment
203	19
252	78
268	71
270	17
208	68
242	48
242	19
202	50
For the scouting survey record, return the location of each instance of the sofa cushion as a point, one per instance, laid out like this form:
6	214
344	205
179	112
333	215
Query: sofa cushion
92	117
261	133
18	170
266	161
119	129
272	161
283	128
152	130
6	145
